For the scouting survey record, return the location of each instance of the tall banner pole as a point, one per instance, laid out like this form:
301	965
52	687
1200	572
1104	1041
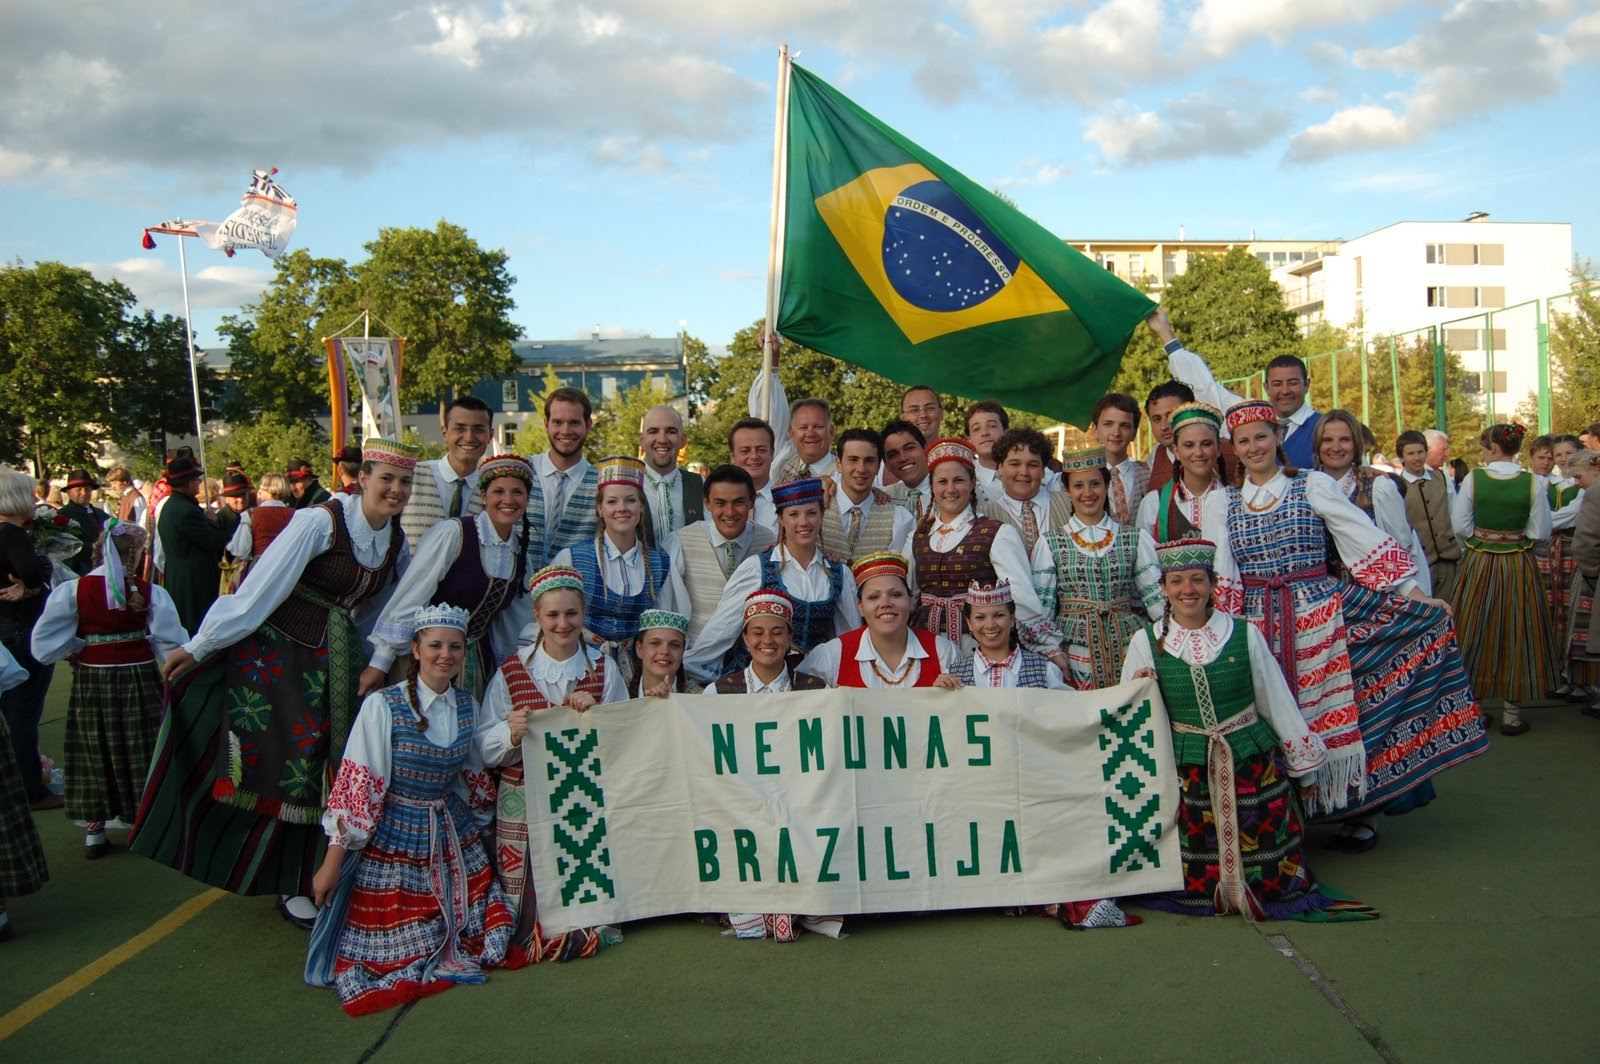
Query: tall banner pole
780	139
194	374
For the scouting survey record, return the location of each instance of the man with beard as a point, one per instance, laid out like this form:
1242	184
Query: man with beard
675	495
447	487
565	481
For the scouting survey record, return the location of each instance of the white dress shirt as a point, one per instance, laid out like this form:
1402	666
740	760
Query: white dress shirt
809	583
308	534
437	550
666	522
623	569
823	662
555	679
1275	703
765	513
1538	526
55	633
445	478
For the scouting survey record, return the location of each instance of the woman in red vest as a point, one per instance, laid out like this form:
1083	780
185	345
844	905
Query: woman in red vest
114	626
260	525
886	652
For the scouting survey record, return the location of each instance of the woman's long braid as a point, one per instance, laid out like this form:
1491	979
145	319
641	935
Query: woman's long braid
413	693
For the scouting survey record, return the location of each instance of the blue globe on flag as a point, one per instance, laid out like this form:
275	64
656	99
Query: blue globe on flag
936	252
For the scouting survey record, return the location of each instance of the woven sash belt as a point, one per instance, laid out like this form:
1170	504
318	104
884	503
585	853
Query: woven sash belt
1277	610
1233	894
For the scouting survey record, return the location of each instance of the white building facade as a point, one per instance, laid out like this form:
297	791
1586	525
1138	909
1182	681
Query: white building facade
1474	277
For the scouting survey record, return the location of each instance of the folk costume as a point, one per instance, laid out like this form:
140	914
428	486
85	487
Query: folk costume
22	704
533	680
258	527
664	620
618	585
672	502
1427	502
1378	495
22	864
1030	517
417	909
1239	742
314	494
1378	677
823	593
700	562
566	499
781	927
1170	511
1500	512
851	660
191	548
236	790
87	521
1583	647
1556	564
852	529
119	627
1130	482
1298	428
440	493
229	520
949	556
1164	464
1097	579
463	562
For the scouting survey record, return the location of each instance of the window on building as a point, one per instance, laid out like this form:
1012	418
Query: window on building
508	433
1265	256
1436	296
1492	296
1135	266
608	387
508	394
1475	382
1491	254
1169	265
1434	253
1106	259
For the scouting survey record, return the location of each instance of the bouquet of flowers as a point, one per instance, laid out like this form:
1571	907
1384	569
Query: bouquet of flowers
55	539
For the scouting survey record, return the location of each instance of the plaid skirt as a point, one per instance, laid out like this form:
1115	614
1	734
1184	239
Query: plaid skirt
113	716
22	867
1557	567
1503	621
1582	652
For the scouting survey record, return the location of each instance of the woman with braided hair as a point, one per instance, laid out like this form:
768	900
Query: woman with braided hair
479	562
1499	513
559	668
409	906
114	627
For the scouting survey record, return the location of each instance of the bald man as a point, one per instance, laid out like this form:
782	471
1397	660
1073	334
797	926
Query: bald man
676	497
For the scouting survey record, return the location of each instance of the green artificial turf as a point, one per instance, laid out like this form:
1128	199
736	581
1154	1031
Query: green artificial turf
1484	952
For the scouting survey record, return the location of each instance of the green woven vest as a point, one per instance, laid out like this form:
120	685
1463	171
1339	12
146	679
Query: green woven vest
1232	692
1500	507
1560	497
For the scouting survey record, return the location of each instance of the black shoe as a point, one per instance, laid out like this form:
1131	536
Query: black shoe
1349	842
299	921
1520	727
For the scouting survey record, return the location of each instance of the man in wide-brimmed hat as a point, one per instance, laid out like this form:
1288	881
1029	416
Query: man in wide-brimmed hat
87	519
304	485
236	494
348	461
191	544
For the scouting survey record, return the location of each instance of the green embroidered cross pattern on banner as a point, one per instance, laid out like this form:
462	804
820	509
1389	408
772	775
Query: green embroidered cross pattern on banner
578	802
1135	805
849	801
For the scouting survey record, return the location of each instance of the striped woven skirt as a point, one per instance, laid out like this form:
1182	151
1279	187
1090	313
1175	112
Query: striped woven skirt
1271	842
113	717
22	867
182	826
1503	620
1557	568
1419	714
1582	650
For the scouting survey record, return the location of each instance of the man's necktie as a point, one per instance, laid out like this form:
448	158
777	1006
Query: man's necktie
457	502
855	529
664	498
1119	499
1030	526
915	499
561	496
730	559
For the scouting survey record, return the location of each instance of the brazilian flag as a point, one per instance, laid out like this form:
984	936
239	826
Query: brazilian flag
896	262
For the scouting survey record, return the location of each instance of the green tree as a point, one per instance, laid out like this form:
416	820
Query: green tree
267	443
1228	309
531	438
56	324
153	396
616	421
1574	361
449	298
278	361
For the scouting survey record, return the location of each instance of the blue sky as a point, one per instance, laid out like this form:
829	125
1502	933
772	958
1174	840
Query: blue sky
620	152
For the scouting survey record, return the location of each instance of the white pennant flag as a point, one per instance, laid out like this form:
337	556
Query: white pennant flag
265	220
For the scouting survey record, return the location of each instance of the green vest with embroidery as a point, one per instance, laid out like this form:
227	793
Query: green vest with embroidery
1500	507
1560	497
1227	685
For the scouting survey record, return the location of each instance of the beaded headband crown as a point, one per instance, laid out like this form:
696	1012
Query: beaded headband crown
879	563
620	469
390	452
996	594
554	578
441	616
507	465
1196	414
1086	458
761	603
1186	554
1240	414
797	493
950	449
663	619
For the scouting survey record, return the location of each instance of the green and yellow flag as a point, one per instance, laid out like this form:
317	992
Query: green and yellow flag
896	262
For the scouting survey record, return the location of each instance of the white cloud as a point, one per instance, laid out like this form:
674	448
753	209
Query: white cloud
1224	26
156	282
1482	55
1191	127
1036	172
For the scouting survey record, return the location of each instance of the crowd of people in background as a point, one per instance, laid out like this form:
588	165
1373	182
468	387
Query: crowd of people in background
283	687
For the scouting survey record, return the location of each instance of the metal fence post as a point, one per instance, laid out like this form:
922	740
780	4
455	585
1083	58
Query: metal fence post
1542	325
1488	364
1394	378
1441	402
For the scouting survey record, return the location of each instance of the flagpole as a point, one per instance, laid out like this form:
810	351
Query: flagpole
780	139
194	374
